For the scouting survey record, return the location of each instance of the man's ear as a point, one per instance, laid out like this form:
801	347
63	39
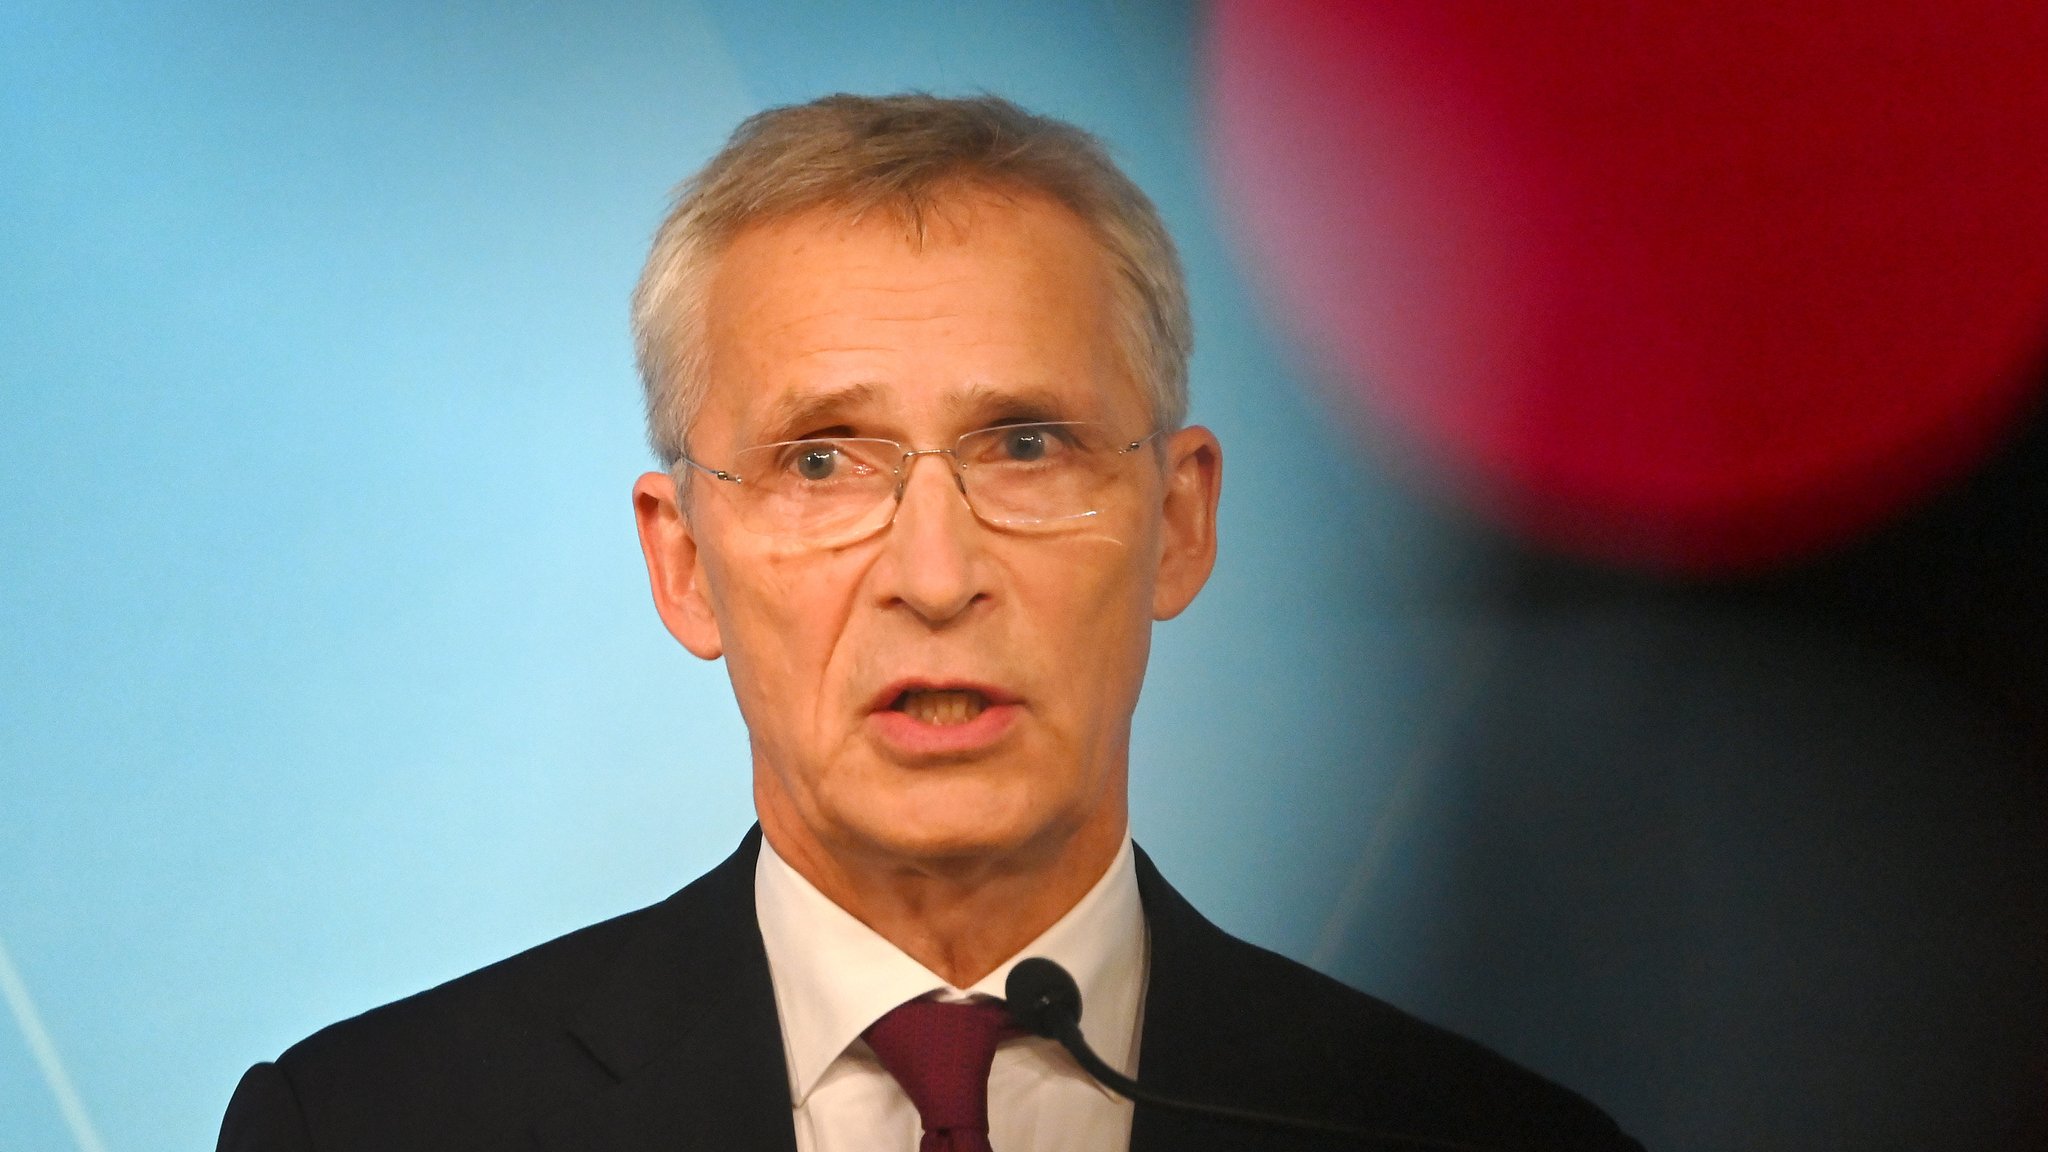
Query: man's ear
1187	541
675	567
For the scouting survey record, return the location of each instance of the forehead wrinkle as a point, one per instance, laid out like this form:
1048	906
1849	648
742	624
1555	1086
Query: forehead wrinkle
833	314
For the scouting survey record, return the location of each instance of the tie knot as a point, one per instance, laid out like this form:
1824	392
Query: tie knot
941	1053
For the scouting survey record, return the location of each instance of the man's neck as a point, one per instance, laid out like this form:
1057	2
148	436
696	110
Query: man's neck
959	917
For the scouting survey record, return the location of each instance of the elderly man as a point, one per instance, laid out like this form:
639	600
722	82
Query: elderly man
917	368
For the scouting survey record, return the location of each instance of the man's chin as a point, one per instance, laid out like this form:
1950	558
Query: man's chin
974	829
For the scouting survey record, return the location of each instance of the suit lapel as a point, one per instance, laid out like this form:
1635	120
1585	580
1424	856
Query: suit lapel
1200	1042
685	1021
1176	1017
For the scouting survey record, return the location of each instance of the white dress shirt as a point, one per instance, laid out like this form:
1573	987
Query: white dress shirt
834	976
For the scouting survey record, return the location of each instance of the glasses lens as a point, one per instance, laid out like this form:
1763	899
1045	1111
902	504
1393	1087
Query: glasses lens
816	489
1031	473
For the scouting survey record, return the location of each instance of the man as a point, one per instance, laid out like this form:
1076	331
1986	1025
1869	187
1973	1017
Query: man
918	367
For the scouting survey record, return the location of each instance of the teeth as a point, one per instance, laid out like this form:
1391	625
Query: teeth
942	708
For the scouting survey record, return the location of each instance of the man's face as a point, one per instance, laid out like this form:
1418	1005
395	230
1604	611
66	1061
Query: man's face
943	689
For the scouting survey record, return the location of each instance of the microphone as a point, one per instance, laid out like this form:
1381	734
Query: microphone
1044	1001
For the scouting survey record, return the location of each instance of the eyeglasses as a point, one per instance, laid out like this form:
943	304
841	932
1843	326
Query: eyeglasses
836	490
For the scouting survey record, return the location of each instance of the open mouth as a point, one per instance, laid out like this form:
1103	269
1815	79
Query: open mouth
940	706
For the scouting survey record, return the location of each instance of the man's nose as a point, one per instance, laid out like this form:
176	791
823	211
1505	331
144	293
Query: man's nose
932	547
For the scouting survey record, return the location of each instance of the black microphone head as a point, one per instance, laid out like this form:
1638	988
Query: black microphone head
1042	998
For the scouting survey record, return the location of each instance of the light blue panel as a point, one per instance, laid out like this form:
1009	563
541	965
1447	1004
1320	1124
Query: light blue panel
328	673
326	668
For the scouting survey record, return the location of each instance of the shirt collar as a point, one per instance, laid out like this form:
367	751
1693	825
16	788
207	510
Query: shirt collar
834	975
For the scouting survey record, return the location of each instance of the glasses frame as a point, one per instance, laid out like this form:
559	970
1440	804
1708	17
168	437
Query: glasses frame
906	458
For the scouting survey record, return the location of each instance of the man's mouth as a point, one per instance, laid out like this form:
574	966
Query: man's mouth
940	706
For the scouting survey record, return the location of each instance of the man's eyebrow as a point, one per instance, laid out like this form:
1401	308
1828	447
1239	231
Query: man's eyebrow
802	413
989	402
795	414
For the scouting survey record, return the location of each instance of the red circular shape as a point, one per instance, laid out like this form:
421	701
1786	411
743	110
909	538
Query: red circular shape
1697	286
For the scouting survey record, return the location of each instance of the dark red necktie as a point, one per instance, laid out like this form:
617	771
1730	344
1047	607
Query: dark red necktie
941	1053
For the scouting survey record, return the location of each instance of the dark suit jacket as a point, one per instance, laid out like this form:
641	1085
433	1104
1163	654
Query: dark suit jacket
657	1030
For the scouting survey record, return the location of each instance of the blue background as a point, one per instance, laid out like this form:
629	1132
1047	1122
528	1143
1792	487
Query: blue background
327	670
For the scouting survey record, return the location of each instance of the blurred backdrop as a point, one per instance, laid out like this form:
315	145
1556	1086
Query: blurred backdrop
1630	643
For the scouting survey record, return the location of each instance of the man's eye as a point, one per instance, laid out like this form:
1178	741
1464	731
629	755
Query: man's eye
816	463
1025	445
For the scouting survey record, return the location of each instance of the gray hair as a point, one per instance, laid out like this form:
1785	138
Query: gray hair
902	154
